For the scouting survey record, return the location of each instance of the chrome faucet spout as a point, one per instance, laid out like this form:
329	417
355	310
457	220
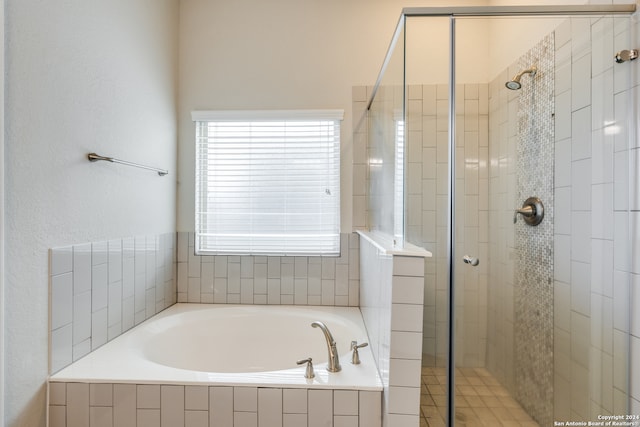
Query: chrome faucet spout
334	361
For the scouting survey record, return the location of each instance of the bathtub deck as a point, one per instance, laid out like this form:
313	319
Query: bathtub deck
123	361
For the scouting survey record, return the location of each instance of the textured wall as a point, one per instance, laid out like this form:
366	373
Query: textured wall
80	77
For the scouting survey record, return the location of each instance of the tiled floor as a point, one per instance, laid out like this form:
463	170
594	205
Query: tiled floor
480	400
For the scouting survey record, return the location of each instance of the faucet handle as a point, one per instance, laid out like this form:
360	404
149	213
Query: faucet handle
355	357
309	372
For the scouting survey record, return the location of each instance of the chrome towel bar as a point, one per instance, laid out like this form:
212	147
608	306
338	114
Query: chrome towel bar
93	157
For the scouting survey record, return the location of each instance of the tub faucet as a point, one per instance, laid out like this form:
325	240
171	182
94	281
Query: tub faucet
334	360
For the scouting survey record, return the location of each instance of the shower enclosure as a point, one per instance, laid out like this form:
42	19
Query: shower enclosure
501	139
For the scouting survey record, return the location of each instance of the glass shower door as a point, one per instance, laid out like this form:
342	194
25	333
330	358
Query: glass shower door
542	147
427	76
541	200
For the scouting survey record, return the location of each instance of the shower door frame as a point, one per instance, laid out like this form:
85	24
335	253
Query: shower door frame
2	227
475	12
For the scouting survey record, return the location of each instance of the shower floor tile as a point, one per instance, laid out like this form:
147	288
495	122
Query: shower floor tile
480	400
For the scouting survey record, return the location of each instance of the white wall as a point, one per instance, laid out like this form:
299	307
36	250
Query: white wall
428	50
81	76
251	54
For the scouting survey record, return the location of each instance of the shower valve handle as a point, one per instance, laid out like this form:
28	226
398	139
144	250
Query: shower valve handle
527	211
532	211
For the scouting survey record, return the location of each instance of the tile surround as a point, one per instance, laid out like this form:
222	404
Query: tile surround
121	268
100	290
140	405
391	305
303	280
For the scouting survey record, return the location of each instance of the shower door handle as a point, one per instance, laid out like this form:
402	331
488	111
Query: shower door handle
470	260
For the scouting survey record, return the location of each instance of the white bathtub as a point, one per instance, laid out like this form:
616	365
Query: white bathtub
244	345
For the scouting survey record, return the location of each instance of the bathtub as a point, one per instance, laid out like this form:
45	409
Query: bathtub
232	345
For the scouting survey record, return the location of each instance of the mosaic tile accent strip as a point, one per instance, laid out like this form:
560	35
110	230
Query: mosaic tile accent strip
534	244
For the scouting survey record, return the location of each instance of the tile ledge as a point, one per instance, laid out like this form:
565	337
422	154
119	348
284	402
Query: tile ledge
385	243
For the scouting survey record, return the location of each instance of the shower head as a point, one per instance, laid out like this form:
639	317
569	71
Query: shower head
514	83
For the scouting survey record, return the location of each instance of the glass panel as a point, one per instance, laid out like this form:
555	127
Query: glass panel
536	339
386	149
542	321
426	188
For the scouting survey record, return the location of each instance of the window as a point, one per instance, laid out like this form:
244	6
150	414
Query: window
268	182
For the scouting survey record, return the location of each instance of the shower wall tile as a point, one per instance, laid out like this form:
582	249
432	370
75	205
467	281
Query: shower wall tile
592	318
581	82
426	186
580	37
93	291
359	217
301	280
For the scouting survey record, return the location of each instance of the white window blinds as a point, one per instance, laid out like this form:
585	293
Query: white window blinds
268	182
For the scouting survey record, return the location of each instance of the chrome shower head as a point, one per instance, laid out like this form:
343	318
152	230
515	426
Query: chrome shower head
514	83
